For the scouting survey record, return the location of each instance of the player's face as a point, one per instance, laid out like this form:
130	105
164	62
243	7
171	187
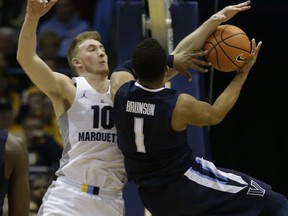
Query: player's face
92	57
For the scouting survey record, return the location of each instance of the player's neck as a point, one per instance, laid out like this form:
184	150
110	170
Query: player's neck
100	84
150	85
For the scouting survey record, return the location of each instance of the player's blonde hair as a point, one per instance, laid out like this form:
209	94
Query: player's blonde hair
73	48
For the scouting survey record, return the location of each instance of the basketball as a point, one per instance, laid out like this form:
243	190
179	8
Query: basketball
228	48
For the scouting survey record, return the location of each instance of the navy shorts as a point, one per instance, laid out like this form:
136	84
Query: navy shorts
205	190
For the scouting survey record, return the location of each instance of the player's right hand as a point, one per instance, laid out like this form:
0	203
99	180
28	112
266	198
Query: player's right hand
38	8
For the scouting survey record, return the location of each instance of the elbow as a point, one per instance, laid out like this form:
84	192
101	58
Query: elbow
23	55
24	59
20	53
217	119
20	57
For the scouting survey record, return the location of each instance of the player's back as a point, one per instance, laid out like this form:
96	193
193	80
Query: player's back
151	148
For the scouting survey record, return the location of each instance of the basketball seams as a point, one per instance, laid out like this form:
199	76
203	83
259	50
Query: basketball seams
217	43
236	47
227	47
213	44
228	57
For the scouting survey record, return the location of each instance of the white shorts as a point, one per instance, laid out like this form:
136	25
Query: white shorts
66	198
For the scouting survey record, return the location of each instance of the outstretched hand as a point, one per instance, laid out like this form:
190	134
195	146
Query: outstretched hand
229	11
251	60
38	8
185	60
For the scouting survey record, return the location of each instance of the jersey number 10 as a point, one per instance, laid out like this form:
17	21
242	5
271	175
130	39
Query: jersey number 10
105	113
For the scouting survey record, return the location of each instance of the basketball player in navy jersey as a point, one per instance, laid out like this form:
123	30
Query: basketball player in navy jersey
91	175
14	181
151	122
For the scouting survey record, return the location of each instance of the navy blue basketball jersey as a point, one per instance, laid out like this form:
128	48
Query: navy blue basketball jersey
3	181
154	153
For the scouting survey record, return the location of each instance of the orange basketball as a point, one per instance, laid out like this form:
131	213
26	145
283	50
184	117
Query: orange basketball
228	48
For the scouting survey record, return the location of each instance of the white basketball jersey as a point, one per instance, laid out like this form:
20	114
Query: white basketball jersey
91	155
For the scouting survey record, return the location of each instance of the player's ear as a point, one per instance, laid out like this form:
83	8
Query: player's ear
76	62
166	72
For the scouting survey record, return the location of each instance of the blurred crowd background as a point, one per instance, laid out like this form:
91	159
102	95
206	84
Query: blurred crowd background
24	109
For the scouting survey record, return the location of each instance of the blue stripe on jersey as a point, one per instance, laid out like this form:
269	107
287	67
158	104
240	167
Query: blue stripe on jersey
205	173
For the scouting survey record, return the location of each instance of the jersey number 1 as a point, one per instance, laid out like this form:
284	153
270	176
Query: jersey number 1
139	135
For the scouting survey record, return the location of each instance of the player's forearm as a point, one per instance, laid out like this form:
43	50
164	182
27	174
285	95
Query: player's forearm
27	40
227	99
197	39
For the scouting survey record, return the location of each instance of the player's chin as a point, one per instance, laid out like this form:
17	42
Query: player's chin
104	71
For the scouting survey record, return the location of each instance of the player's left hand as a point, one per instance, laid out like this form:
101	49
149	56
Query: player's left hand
251	60
185	60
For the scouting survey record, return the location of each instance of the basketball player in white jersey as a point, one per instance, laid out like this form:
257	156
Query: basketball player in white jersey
91	175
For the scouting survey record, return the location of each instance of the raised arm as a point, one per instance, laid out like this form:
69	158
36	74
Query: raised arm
188	52
37	70
197	39
51	83
190	111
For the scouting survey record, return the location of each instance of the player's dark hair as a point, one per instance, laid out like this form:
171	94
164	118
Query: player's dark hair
149	60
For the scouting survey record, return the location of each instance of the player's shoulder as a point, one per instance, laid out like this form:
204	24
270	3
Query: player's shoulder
185	102
15	146
185	98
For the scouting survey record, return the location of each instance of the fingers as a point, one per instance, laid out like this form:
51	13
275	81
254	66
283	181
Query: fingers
255	49
188	75
51	3
198	53
200	69
44	2
243	4
201	62
188	59
229	11
197	63
40	1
